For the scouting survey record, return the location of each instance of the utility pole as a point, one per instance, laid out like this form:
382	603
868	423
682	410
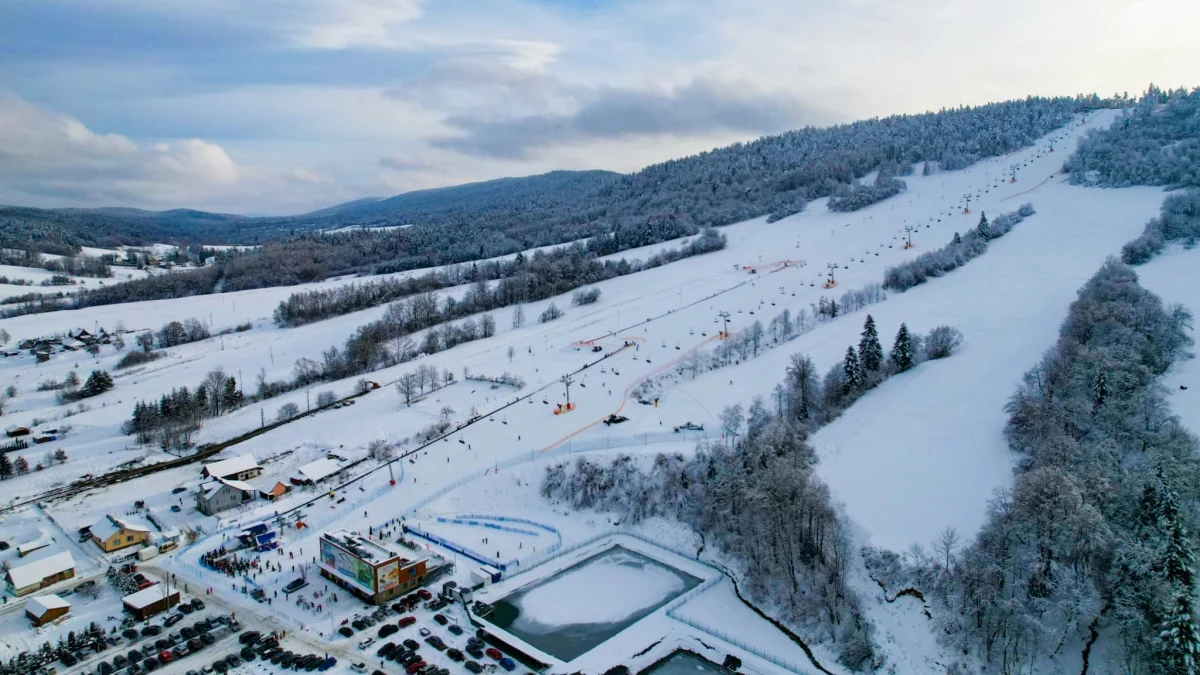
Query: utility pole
724	317
307	400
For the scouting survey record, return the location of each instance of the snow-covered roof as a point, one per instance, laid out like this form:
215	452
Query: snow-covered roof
41	604
319	469
212	487
31	546
147	596
15	427
110	525
229	467
32	573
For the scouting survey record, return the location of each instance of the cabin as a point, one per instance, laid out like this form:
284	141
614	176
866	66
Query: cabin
315	472
275	492
113	534
149	601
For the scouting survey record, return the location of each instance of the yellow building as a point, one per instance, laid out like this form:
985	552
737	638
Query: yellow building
113	534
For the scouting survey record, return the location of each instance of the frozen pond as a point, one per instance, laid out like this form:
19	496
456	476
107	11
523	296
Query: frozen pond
574	610
685	663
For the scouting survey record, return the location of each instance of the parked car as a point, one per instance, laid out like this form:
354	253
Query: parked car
219	666
345	631
68	659
455	628
412	644
233	661
166	656
197	604
454	654
152	630
406	621
386	650
399	607
195	645
441	619
249	637
186	607
414	667
104	668
437	642
388	629
425	595
207	638
247	654
330	662
473	667
366	642
475	650
359	667
508	664
130	633
358	624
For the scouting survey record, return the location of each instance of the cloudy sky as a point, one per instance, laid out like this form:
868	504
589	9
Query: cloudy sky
283	106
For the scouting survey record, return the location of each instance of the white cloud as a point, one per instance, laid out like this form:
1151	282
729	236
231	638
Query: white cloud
48	158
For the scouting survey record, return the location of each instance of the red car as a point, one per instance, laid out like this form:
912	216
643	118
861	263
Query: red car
414	667
406	621
165	656
493	653
425	595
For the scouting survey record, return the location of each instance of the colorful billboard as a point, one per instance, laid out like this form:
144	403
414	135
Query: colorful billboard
349	567
389	575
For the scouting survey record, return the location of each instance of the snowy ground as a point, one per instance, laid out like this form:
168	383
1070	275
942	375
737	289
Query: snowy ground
921	453
1174	277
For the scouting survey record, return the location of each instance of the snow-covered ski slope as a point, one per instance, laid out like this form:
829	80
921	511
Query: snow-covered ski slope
921	453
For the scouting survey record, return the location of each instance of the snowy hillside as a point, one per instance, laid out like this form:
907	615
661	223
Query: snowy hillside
921	453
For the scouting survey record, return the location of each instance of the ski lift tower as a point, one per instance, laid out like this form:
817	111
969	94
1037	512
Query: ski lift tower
566	380
967	202
1012	169
908	229
724	317
831	281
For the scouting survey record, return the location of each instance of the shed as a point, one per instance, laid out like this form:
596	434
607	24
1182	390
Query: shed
150	601
39	574
241	467
274	492
317	471
31	546
14	430
44	609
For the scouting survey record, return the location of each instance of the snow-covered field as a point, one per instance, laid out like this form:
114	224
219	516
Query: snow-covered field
1174	276
921	453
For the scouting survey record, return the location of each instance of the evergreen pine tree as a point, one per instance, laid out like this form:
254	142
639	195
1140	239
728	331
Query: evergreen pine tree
852	382
1179	640
1179	637
984	231
902	350
870	352
957	239
6	467
230	396
1099	390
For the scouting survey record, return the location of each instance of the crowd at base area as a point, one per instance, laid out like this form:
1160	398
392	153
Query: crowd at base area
252	567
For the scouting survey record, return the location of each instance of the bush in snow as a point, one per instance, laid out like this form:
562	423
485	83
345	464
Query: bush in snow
855	197
551	313
326	398
585	296
286	412
943	341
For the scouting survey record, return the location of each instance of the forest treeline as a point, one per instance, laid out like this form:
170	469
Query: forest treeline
523	279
